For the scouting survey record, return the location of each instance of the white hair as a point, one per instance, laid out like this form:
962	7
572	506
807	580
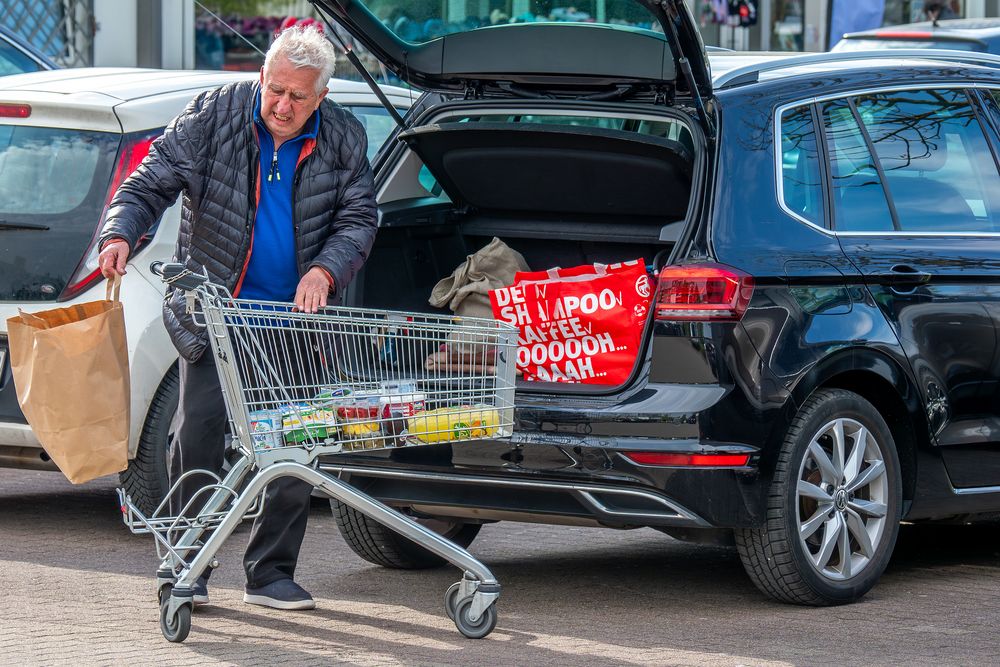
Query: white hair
305	47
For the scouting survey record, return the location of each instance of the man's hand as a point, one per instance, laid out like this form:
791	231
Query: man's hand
312	292
113	258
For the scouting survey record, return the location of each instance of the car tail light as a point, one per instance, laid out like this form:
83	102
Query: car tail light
688	460
702	292
15	110
134	149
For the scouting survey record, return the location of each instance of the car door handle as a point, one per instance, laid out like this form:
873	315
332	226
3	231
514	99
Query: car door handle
902	275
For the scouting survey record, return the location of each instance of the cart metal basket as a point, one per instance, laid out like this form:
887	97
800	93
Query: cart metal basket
298	386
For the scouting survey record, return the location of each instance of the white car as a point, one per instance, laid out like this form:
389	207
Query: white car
67	140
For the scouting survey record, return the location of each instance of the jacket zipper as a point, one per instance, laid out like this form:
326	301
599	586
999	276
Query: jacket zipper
274	167
306	151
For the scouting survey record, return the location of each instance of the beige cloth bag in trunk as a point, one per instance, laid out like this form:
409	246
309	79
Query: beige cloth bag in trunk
71	374
466	291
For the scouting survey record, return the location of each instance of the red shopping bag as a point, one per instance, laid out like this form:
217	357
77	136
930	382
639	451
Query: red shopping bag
581	324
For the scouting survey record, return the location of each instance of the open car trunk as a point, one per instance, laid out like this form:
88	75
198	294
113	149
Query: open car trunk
560	194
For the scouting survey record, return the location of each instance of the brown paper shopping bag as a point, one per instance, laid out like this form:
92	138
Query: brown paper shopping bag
71	374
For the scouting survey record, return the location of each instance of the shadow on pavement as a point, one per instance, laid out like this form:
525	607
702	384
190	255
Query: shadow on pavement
570	594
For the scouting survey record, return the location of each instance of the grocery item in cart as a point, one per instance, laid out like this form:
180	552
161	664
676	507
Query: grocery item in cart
265	429
453	423
330	397
359	424
303	423
402	404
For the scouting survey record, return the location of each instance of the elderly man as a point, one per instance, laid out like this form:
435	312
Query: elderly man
278	205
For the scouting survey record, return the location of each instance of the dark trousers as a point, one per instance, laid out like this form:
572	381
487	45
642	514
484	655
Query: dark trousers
199	443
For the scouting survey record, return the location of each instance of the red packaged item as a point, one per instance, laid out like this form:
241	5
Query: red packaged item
581	324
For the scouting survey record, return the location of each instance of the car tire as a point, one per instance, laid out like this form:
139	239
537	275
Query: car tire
383	546
145	480
819	508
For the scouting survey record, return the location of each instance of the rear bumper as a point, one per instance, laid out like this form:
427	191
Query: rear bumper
541	500
19	448
566	463
559	484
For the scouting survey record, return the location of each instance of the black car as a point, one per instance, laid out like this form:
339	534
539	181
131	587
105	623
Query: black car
982	35
821	360
17	56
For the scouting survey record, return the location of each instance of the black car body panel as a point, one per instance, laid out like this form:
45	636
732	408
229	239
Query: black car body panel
836	309
909	325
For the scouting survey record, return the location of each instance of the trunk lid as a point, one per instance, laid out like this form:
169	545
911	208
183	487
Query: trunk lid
596	48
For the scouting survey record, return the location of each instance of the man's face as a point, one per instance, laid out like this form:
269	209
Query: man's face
288	98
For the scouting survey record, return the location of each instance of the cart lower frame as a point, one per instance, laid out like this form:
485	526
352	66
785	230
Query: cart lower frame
470	602
189	541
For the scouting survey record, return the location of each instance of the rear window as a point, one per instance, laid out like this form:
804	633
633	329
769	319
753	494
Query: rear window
417	21
53	185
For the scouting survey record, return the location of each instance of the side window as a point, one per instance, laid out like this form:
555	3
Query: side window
378	125
428	182
12	61
937	163
859	202
801	178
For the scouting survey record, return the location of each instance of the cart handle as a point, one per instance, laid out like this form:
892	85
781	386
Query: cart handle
177	275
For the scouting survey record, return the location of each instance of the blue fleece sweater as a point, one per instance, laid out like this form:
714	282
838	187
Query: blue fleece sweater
272	272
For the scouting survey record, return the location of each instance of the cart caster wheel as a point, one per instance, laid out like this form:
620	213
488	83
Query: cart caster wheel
451	599
175	627
480	628
163	593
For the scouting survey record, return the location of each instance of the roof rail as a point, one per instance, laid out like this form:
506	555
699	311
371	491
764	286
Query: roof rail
751	73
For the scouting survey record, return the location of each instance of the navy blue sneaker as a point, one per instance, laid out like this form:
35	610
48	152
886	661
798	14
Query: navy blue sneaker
200	590
281	594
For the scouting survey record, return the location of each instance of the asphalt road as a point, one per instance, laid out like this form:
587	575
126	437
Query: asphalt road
77	589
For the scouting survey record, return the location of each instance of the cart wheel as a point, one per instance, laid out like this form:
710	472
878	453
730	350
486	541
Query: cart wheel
175	627
451	599
480	628
163	593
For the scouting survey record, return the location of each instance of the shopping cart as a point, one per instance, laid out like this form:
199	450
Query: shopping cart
300	386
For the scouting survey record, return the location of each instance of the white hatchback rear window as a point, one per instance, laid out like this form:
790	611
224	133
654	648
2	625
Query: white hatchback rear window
44	170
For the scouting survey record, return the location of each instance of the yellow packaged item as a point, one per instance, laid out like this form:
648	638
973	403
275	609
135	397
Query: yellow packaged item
459	423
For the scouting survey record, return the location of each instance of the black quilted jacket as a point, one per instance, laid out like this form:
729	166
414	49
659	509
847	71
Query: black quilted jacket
210	154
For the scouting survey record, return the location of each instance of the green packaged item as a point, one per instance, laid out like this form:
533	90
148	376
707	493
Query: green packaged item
302	423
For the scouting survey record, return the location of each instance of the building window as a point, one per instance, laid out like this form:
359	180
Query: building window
234	34
788	26
230	34
911	11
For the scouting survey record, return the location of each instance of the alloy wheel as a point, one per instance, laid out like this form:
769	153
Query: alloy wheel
842	499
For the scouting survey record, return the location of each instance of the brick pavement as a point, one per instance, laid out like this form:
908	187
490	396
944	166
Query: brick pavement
77	590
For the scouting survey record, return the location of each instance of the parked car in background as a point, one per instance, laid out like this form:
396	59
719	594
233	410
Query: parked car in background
981	35
820	360
68	138
18	56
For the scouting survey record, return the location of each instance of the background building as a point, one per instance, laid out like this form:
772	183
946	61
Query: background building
227	34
